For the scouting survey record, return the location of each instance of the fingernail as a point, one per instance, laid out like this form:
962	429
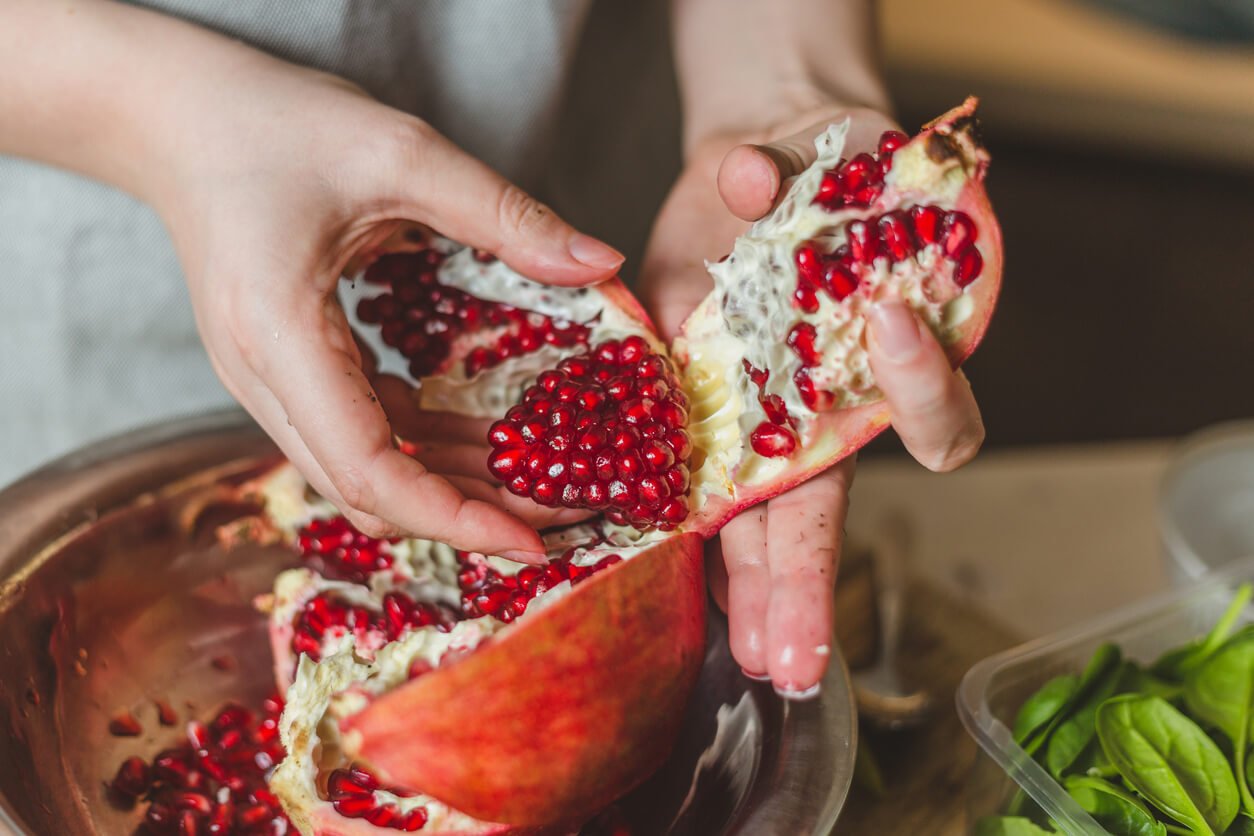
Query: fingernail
756	677
594	253
520	556
798	694
895	331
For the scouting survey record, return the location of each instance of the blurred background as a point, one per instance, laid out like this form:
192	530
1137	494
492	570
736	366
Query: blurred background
1122	134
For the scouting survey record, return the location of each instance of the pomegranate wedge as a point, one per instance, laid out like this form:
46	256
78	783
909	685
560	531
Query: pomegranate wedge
533	696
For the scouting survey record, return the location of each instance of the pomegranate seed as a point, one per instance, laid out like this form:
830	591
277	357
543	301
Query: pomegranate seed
132	779
890	141
895	232
831	189
959	233
806	298
801	340
927	221
839	279
809	263
771	440
816	399
124	724
864	241
416	819
968	267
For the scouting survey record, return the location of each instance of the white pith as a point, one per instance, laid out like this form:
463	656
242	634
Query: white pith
325	691
489	393
751	311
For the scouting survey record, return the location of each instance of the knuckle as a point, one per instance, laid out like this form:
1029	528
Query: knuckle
957	453
370	525
520	213
354	489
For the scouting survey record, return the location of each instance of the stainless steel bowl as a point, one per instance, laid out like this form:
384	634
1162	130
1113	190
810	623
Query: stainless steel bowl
113	595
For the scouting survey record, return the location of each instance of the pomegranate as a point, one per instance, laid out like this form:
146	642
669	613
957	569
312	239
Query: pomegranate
504	692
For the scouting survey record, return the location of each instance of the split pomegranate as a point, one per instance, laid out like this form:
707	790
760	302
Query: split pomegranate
497	693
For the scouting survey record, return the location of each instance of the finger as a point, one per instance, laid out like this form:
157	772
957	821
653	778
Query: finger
716	573
743	542
267	412
466	460
338	416
539	516
411	422
933	409
469	202
750	178
804	531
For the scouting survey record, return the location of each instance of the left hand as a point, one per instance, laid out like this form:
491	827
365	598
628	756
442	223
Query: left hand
774	566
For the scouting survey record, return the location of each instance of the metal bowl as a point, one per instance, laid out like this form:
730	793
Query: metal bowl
114	595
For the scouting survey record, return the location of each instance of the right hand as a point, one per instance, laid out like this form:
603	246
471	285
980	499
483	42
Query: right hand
275	179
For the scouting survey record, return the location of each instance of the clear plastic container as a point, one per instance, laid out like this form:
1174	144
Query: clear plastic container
992	691
1206	503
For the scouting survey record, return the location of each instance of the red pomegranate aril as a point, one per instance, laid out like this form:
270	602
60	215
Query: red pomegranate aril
818	400
889	142
801	340
124	724
959	233
861	171
806	297
831	189
895	233
545	491
771	440
415	819
595	495
132	778
809	263
839	279
927	222
864	241
504	434
968	267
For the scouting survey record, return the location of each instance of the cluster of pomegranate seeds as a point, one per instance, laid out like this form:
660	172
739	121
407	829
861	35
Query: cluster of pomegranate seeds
421	318
859	182
895	236
325	613
352	793
775	436
604	430
486	591
342	552
212	783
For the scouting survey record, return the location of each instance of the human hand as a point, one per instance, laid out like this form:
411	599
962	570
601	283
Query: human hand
773	567
282	176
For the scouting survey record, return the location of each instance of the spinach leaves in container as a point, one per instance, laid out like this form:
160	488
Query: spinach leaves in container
1148	751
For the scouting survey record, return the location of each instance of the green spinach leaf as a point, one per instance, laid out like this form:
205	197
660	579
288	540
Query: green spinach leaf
1043	706
1170	761
1243	825
1175	664
1008	826
1076	733
1104	659
1220	693
1114	808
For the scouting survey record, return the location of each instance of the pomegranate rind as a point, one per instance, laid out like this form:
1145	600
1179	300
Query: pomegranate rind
561	716
833	436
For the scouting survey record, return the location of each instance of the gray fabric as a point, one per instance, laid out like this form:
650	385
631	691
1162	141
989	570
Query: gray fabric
96	333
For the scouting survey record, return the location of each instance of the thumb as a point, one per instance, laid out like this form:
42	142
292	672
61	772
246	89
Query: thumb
464	199
751	176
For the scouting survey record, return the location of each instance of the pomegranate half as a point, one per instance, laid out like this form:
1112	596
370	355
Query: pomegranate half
415	672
